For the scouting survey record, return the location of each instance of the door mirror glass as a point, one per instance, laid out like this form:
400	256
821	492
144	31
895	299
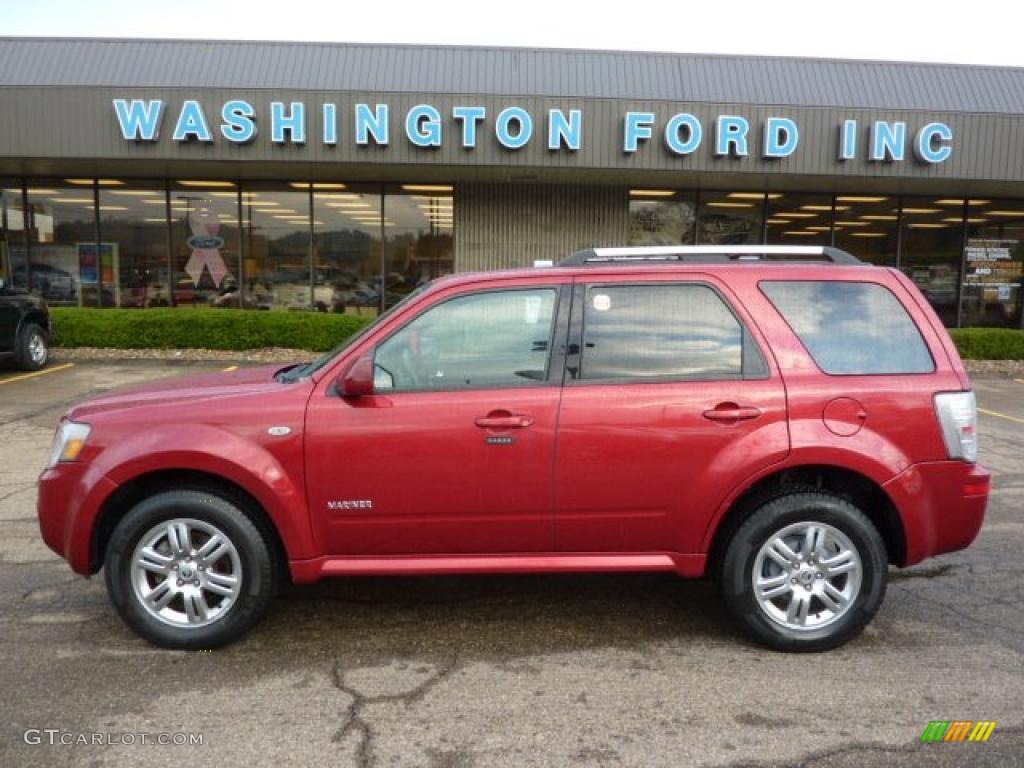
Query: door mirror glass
357	381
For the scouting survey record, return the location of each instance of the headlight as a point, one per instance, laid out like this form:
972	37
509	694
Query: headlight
68	442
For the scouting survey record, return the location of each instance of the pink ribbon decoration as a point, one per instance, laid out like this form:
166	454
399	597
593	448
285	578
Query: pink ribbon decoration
205	245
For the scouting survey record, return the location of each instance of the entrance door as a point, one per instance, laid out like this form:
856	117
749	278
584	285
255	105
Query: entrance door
667	406
454	451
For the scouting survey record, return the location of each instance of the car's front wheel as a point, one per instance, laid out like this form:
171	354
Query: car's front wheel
805	572
33	348
188	569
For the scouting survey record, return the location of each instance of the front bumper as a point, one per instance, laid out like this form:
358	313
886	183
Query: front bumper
942	504
68	504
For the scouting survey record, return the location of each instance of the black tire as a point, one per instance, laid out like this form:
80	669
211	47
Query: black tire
769	519
259	576
31	335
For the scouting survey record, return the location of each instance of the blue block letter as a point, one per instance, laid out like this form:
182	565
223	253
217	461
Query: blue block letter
192	123
423	126
781	137
503	129
637	128
140	120
888	141
469	117
373	123
294	123
330	124
562	130
238	125
694	133
932	144
732	132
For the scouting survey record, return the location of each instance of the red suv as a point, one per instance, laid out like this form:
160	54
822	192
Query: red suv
788	420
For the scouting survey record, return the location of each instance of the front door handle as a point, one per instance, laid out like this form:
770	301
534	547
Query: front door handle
730	413
504	420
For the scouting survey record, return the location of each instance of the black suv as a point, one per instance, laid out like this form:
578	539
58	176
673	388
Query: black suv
24	328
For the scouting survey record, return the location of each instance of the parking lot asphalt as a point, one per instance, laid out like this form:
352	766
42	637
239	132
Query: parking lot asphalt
581	670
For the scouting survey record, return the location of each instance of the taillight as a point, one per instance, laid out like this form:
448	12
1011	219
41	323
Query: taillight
958	417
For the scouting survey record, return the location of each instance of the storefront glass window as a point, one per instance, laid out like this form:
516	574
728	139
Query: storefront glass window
931	244
662	217
798	219
133	235
12	233
994	270
347	248
205	253
276	222
418	227
65	266
867	226
730	218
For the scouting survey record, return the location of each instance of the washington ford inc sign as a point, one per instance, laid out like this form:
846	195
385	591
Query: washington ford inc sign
513	128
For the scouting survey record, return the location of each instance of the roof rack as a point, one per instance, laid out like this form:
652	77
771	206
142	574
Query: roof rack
711	254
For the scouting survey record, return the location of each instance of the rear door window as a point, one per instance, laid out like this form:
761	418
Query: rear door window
664	331
851	328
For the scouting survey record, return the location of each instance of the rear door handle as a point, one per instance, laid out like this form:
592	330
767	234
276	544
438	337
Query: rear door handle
504	420
731	412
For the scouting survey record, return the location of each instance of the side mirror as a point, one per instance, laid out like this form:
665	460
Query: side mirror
357	381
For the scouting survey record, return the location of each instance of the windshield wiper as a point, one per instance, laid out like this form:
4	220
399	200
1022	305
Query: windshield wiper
290	373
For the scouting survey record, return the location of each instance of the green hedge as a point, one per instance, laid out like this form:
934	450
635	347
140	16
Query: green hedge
989	343
317	332
204	328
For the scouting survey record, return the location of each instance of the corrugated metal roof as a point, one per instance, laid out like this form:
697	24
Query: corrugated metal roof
513	71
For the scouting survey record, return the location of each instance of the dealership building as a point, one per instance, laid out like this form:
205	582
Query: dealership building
287	176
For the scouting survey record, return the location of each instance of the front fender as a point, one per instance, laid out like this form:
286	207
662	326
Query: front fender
213	451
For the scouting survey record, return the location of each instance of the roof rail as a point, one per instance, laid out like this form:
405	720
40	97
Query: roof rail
710	254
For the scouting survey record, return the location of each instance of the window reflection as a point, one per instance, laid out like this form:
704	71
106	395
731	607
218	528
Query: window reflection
994	270
493	339
851	328
12	233
681	331
799	219
205	252
133	230
730	219
656	218
931	244
66	268
346	248
276	223
867	226
418	225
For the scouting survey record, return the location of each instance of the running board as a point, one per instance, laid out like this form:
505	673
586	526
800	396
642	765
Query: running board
425	565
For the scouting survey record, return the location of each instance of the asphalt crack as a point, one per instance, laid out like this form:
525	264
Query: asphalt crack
353	717
868	754
24	487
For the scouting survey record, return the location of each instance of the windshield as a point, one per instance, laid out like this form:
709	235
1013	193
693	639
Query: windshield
309	369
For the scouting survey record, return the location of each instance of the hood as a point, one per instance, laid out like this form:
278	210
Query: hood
194	389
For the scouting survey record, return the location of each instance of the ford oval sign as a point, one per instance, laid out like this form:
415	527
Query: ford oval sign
205	241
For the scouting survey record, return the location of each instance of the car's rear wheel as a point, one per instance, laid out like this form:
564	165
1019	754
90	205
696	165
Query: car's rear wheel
805	572
33	347
189	569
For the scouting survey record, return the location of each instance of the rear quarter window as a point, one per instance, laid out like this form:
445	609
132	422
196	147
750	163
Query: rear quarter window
851	328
